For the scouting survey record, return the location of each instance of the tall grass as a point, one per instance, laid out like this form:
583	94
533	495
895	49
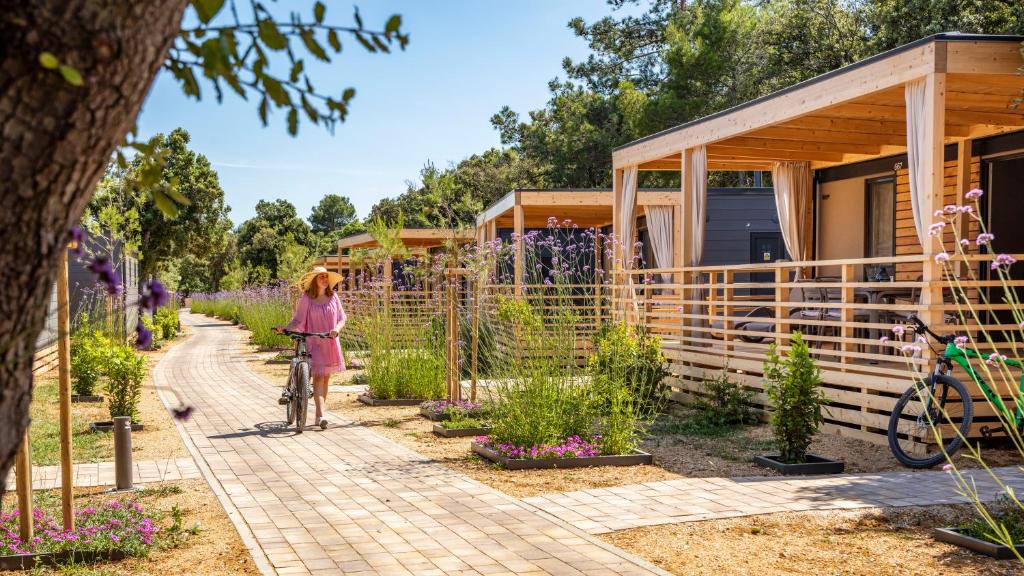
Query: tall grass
260	309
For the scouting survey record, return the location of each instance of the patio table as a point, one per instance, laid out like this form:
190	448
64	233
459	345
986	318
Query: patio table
874	296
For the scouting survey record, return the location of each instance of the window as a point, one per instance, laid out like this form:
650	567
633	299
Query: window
880	226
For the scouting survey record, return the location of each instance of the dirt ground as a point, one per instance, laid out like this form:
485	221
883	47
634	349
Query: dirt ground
215	550
876	542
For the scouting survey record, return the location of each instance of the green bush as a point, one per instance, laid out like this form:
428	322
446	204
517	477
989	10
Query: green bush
125	372
156	329
404	360
90	350
635	358
1008	516
166	319
724	404
793	388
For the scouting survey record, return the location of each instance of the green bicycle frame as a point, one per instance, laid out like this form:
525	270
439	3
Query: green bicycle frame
962	357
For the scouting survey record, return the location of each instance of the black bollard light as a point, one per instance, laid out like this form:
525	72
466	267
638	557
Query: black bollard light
123	452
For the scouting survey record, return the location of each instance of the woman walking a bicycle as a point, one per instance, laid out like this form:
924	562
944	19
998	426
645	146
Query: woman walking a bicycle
319	310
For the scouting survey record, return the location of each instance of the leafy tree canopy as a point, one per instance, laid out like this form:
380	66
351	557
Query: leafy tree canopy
333	213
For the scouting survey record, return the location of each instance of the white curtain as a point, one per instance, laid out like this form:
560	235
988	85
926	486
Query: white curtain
698	176
659	228
793	185
916	95
627	216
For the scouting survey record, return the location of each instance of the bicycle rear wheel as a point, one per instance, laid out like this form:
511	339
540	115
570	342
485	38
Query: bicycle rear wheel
930	420
301	392
289	408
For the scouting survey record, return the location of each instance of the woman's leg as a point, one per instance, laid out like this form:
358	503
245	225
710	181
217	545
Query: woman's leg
320	395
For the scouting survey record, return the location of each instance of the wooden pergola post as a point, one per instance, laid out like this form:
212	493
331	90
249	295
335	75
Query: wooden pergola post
686	209
518	218
618	280
23	471
64	375
932	179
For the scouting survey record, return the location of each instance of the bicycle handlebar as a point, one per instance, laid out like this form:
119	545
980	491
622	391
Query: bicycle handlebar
295	334
920	326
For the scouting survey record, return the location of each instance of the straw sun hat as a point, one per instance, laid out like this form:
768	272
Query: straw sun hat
333	278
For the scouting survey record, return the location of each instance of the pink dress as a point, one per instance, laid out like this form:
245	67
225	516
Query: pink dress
325	353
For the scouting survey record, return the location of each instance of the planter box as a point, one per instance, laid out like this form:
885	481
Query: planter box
532	464
30	561
431	415
108	425
443	432
814	465
81	398
370	401
997	551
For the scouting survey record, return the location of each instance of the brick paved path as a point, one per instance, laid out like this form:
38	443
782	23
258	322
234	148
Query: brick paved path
102	473
608	509
347	499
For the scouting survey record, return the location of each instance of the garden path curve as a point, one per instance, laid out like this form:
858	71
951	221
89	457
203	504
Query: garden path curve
347	499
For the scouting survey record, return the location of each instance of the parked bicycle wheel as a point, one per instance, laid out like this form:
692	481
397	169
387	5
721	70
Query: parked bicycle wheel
924	423
301	395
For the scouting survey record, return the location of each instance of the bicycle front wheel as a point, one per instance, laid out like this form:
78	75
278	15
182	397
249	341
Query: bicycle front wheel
929	421
301	395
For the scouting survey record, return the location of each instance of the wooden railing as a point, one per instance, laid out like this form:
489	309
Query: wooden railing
715	318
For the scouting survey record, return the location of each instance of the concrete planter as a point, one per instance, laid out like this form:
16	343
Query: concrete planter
997	551
108	425
813	465
539	463
86	398
370	401
443	432
31	561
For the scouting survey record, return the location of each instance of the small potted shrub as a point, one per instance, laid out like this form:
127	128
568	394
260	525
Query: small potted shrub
794	390
89	352
724	404
1007	515
125	372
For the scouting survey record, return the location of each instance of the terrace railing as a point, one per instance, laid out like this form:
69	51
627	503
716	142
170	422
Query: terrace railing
714	318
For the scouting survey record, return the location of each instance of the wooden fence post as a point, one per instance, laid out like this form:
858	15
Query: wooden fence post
64	374
23	470
474	346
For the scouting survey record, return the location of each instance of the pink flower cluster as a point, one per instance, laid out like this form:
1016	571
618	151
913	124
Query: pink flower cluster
116	524
438	406
571	447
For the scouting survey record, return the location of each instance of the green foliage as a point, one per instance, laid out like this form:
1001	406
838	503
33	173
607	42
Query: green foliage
156	329
166	318
460	420
404	360
90	351
633	357
125	373
293	261
724	404
333	213
264	238
1008	516
241	53
793	385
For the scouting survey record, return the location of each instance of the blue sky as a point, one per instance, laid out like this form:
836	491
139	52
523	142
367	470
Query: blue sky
465	59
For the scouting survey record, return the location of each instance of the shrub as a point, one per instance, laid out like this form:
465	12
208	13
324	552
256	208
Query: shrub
90	350
125	372
1007	516
724	404
115	525
635	358
793	389
166	318
405	360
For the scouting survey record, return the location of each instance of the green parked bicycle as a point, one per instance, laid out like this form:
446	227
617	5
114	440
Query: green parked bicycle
943	401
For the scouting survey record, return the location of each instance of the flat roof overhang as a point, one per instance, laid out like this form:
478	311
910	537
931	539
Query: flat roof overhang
411	237
854	113
585	207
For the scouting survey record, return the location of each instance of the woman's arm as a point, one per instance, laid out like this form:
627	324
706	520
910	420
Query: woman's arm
342	317
298	322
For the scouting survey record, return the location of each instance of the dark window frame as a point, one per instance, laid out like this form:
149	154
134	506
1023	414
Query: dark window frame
869	221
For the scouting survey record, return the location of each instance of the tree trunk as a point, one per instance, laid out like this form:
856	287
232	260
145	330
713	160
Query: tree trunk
55	141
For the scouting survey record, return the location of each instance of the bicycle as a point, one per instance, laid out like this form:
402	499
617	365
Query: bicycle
298	389
937	409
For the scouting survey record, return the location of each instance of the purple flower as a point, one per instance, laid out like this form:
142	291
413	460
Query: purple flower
941	257
883	339
936	229
153	295
104	273
78	241
143	337
1003	260
960	341
182	413
974	194
984	238
899	330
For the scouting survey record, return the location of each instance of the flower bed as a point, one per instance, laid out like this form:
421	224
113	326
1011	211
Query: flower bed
115	529
371	401
438	410
573	452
